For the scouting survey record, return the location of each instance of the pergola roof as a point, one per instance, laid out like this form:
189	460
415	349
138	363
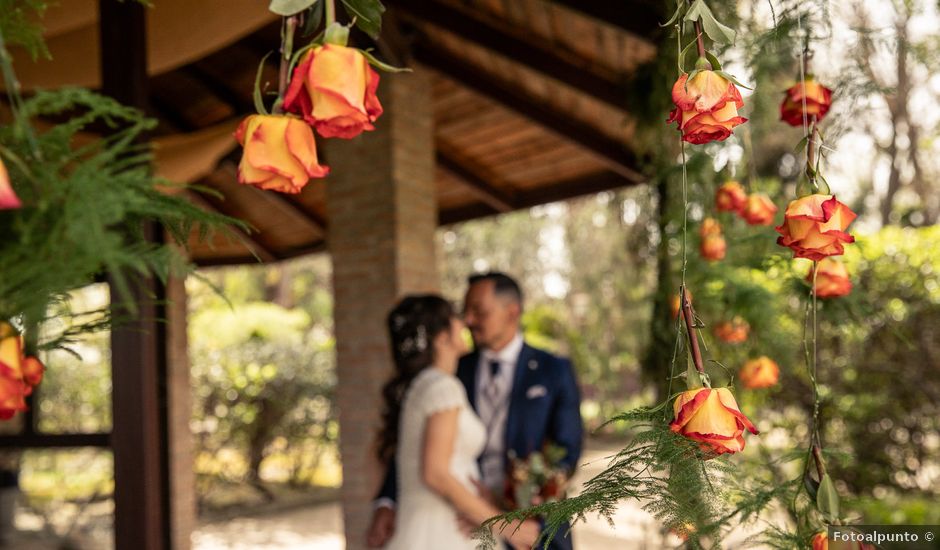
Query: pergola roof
528	100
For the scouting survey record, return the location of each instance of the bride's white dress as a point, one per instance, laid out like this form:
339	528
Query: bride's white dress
424	520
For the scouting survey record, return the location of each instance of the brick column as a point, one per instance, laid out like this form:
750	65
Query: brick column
382	217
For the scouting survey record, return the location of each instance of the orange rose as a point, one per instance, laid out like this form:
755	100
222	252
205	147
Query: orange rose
33	370
762	372
814	227
709	227
13	389
760	210
730	197
280	153
733	332
818	100
711	417
8	198
333	88
832	279
706	107
713	248
821	542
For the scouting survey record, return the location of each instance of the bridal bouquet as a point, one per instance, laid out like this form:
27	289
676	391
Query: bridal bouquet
537	479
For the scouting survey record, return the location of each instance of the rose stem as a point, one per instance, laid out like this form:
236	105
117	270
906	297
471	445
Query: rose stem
820	465
287	46
811	151
693	336
700	43
330	12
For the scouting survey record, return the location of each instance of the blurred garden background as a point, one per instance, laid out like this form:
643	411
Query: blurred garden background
599	274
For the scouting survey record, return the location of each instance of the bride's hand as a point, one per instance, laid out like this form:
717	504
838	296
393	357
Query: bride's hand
524	535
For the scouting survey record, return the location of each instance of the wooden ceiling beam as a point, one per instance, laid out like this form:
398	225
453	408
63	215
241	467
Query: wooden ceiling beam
519	47
473	177
251	243
638	17
614	153
576	187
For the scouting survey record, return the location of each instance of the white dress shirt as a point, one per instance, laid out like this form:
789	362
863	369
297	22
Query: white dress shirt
492	404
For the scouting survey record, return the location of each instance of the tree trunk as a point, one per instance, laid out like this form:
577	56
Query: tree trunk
658	360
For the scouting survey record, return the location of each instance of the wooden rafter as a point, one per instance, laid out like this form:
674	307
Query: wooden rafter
638	17
255	246
473	177
519	47
620	159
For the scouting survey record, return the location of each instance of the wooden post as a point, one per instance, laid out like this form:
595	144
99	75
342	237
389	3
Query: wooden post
138	346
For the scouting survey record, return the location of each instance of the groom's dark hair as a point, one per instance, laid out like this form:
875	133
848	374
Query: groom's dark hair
503	285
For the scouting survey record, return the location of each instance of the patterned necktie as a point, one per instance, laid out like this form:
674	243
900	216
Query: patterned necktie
492	390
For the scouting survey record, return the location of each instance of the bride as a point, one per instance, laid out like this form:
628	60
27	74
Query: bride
434	435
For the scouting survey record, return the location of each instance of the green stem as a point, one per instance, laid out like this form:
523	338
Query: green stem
330	12
289	26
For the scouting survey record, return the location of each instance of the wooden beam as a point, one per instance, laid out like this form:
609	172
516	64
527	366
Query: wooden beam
585	185
281	201
250	241
473	177
520	47
618	158
37	441
138	346
639	17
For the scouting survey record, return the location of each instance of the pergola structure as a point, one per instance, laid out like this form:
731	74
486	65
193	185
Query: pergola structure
512	103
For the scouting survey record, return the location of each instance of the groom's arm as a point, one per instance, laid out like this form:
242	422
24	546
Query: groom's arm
566	427
388	492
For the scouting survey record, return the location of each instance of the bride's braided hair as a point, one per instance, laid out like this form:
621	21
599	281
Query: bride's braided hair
412	327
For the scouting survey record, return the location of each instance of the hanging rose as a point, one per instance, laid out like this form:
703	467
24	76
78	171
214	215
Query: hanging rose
280	153
821	542
712	246
832	279
33	371
711	417
8	198
730	197
814	227
13	389
734	331
818	100
706	107
759	210
762	372
333	88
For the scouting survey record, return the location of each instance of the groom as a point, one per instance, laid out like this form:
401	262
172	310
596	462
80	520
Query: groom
526	397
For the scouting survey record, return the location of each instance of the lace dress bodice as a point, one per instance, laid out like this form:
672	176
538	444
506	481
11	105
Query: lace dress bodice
425	520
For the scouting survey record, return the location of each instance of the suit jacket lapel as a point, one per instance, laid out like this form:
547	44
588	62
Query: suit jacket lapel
467	373
517	397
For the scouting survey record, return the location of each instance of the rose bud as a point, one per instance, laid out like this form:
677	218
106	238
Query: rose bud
760	210
730	197
818	99
711	417
333	88
733	332
280	153
8	198
814	227
706	107
713	248
832	279
759	373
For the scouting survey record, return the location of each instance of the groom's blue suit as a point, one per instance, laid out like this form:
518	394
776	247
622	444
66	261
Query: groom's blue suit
544	407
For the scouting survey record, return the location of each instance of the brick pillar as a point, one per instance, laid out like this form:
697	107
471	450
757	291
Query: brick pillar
382	217
180	458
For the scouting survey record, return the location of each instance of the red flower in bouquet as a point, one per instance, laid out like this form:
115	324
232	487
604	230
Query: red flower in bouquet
706	107
8	198
333	88
734	331
730	197
711	417
759	210
832	279
759	373
818	99
814	227
280	153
